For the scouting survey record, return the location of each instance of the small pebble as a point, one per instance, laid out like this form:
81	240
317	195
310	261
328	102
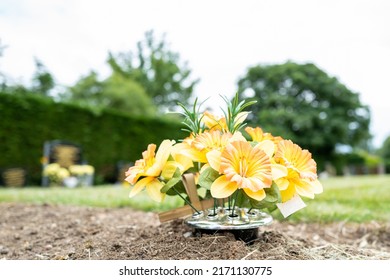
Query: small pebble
3	250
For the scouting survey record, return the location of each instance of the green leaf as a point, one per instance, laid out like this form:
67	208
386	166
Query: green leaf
173	181
253	143
272	197
243	200
207	178
179	187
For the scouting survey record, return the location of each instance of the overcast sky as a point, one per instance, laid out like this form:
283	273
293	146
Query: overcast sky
220	39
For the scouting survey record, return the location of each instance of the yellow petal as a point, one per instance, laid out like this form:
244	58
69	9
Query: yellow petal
197	156
241	117
311	186
304	189
140	186
184	162
153	189
162	156
293	156
317	186
213	122
164	150
204	167
184	149
214	159
267	146
255	133
278	171
258	195
135	172
169	169
237	136
288	193
282	183
222	187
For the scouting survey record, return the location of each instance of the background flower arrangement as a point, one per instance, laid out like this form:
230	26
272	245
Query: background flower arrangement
75	175
260	172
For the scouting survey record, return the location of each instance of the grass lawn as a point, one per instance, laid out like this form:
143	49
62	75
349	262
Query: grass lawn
353	199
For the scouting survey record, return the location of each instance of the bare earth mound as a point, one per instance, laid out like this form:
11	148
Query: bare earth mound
68	232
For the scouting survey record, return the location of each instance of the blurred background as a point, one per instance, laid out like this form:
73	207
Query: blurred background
91	83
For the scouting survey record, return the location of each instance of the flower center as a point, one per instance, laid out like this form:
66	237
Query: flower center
243	166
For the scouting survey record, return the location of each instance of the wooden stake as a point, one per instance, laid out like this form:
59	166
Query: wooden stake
183	211
189	184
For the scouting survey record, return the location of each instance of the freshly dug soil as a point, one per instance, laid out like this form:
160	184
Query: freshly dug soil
68	232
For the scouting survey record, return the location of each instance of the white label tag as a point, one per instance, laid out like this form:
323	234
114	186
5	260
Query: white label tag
291	206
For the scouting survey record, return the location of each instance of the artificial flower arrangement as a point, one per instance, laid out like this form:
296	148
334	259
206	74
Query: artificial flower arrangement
260	172
55	173
74	175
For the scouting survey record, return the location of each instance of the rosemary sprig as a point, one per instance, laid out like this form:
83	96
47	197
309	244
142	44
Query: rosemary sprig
192	119
234	108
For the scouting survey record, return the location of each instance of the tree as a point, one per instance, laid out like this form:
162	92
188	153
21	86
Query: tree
88	91
42	80
2	76
158	70
115	92
385	153
303	103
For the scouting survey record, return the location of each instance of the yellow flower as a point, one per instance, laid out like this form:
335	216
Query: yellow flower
301	178
214	123
51	169
81	169
258	135
180	161
198	149
243	167
209	141
150	168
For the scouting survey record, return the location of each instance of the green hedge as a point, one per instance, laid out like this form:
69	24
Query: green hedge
26	122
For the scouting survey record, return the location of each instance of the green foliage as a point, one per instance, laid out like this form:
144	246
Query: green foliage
158	70
192	119
173	181
234	108
351	199
42	81
2	76
370	160
140	83
116	92
207	178
108	137
269	202
302	103
385	153
88	91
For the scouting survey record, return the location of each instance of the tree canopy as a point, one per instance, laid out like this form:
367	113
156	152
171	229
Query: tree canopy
115	92
158	70
143	82
302	103
2	76
385	153
42	81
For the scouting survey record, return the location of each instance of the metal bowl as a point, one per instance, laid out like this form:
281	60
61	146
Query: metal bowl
244	224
